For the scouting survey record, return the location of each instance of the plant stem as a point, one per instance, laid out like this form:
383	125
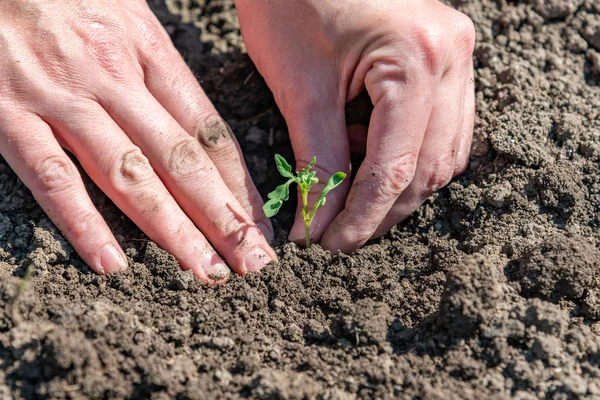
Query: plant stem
307	235
306	215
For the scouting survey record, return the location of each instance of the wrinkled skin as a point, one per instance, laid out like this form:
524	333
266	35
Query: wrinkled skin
414	57
102	80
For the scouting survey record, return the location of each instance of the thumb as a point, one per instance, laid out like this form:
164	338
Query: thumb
319	130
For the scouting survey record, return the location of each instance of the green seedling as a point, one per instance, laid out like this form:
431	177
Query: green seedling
305	179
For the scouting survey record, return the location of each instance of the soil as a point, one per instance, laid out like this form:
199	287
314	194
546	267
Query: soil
490	290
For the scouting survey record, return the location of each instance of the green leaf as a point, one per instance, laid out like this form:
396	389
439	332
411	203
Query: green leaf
308	178
320	202
309	166
283	167
281	192
302	178
331	184
271	207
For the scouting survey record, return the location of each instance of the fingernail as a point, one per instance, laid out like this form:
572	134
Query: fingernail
111	259
214	267
268	233
257	259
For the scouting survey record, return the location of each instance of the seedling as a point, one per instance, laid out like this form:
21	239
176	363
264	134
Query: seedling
305	179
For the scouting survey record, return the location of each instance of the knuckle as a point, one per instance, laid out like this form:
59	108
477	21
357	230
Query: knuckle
104	42
110	59
398	174
56	174
433	44
383	73
181	233
186	159
465	33
215	136
233	228
152	35
440	175
84	225
57	63
132	169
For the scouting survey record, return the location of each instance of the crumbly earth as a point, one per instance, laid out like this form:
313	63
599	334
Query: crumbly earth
490	290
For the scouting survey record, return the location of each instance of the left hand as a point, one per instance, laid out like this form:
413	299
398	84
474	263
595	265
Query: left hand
101	79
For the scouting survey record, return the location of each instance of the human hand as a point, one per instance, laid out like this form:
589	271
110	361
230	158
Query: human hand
103	80
414	57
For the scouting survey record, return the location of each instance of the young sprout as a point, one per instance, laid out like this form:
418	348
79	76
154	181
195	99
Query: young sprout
305	179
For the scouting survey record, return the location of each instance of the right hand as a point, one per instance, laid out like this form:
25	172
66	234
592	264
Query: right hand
414	58
103	80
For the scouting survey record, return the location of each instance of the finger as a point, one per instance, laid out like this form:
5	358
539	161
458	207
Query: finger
172	83
34	154
319	130
462	158
402	103
122	172
193	180
441	144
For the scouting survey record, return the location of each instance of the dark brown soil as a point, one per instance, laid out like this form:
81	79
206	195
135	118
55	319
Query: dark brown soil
490	290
